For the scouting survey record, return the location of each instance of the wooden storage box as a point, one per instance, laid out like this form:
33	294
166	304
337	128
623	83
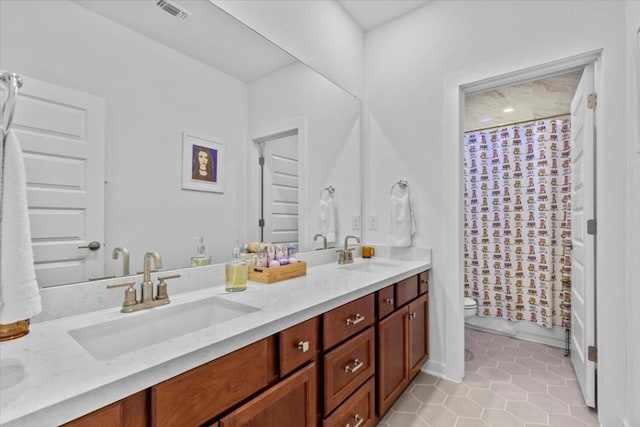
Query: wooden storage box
276	274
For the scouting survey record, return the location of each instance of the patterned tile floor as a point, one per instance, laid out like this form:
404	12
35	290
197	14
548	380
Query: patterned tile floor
508	383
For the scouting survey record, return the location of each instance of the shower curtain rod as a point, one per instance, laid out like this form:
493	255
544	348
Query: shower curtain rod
555	116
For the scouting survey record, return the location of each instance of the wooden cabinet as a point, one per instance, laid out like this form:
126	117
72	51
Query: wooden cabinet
386	301
291	402
358	410
347	367
344	321
418	319
392	354
132	411
332	369
403	343
203	393
298	345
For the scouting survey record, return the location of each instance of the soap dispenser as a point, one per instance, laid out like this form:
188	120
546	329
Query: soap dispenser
200	258
236	272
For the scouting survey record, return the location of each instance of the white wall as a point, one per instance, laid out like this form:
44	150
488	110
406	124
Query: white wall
414	68
633	195
317	32
152	94
331	142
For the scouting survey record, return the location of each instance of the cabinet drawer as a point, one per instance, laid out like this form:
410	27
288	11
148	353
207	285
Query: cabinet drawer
108	416
204	392
406	290
358	410
344	321
347	367
423	282
385	301
298	345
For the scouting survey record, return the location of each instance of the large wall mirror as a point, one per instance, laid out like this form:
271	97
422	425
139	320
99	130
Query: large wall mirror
124	101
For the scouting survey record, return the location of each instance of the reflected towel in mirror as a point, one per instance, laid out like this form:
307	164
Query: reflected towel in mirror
328	216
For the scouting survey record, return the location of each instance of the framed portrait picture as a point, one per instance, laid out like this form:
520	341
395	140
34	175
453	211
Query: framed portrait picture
202	164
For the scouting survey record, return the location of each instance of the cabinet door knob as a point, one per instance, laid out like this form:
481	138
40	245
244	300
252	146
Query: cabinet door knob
358	419
303	346
357	364
359	318
389	301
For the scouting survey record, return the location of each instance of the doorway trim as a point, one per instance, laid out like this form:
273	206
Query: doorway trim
284	128
455	321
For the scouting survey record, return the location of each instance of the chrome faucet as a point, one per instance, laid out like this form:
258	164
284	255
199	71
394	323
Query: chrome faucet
346	256
147	300
125	258
324	238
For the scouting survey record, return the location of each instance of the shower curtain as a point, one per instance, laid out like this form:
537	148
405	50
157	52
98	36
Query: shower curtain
517	190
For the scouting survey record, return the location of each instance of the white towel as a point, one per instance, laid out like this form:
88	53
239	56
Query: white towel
403	224
328	218
19	292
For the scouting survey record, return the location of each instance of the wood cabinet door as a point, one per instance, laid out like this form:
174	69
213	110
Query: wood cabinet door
291	402
418	334
109	416
406	290
132	411
205	392
392	356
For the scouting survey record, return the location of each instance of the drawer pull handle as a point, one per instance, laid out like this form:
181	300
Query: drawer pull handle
357	364
389	301
359	318
358	420
412	315
303	346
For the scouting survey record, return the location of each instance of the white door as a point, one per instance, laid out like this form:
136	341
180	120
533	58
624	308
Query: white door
583	255
281	188
61	132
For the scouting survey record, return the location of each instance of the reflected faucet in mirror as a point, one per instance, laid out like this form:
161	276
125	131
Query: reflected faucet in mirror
346	256
324	239
125	258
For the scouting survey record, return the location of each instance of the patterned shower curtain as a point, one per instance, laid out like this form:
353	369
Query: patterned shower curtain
517	216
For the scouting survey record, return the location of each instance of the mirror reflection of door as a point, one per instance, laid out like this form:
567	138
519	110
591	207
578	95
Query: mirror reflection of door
61	132
280	184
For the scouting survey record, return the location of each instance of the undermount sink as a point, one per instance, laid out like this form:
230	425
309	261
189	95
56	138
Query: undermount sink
369	266
107	340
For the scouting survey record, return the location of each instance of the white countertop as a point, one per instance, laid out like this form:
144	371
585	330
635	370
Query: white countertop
47	378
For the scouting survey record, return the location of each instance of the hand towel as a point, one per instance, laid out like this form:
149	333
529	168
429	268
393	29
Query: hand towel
19	292
403	224
328	218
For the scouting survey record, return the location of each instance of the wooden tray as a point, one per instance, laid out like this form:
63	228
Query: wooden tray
276	274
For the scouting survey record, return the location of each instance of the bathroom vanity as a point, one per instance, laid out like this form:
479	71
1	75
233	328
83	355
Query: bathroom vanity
322	349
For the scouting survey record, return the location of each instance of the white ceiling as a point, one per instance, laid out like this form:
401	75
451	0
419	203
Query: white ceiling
369	14
209	35
522	102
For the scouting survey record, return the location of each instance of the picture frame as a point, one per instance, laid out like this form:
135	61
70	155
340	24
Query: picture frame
202	164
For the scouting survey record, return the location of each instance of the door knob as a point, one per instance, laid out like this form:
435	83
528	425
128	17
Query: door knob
92	246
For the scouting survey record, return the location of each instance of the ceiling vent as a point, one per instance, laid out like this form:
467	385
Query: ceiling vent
173	9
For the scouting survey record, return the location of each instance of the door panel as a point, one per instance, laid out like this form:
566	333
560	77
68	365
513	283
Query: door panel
583	254
61	132
281	189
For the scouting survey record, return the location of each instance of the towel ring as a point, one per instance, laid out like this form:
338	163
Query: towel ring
402	184
329	190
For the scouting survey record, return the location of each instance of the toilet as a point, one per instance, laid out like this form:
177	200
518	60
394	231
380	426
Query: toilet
470	307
